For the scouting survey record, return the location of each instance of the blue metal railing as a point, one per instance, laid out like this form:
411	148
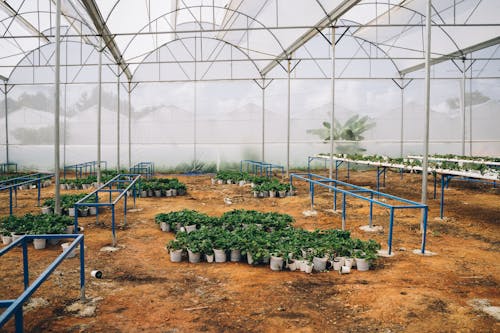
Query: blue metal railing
80	169
14	307
146	169
12	185
356	192
261	168
122	183
446	177
6	167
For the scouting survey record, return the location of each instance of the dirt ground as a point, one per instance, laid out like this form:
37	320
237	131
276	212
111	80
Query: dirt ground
142	291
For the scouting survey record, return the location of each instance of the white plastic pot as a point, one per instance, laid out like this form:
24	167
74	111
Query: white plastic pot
39	243
175	255
276	263
362	265
220	255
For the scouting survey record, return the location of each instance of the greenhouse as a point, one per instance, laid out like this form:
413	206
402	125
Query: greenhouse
145	142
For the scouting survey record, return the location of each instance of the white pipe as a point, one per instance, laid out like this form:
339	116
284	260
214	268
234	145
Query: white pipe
99	106
463	108
288	126
129	126
332	120
262	157
118	122
57	206
402	117
425	161
6	127
194	123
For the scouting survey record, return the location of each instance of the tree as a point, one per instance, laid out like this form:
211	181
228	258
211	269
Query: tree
350	131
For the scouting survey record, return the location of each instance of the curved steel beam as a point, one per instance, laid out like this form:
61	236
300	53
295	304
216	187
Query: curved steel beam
196	37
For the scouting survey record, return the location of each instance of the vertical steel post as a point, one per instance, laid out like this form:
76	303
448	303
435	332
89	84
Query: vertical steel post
99	107
343	211
6	127
425	161
38	187
288	123
118	122
10	201
57	205
424	233
311	191
441	202
75	221
370	223
470	112
263	118
332	119
195	116
26	272
125	210
19	320
82	269
129	126
401	134
113	225
463	107
391	225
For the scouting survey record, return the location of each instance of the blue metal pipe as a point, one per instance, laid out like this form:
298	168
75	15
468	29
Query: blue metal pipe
391	225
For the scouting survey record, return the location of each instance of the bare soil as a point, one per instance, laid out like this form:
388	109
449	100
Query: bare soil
142	291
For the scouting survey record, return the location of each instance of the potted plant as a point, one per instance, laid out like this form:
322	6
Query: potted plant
6	236
175	248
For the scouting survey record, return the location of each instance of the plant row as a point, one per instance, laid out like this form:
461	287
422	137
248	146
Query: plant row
262	187
262	237
478	168
34	224
67	204
158	187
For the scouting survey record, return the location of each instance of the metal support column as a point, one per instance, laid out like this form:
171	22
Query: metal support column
6	126
401	135
118	122
332	119
462	86
99	106
425	161
288	123
57	205
262	154
129	126
195	116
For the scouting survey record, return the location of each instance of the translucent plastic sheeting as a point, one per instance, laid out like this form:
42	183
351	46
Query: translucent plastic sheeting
463	21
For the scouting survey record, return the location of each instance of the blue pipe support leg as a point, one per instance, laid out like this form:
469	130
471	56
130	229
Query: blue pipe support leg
75	221
343	212
385	172
441	203
18	317
113	231
424	227
378	179
39	185
26	272
311	190
370	222
125	211
82	271
435	182
391	225
10	201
